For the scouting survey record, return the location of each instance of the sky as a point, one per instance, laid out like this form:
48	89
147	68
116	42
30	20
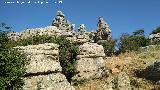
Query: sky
123	16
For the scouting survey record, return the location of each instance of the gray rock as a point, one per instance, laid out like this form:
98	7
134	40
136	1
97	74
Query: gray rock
91	50
90	63
62	23
44	70
103	31
118	82
123	81
43	57
55	81
155	37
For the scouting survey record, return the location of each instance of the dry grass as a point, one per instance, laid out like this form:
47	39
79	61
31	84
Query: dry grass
96	84
129	63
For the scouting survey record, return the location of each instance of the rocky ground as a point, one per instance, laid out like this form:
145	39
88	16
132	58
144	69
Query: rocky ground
129	71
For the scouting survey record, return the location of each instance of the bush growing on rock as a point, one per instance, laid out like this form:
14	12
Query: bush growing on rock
12	65
68	52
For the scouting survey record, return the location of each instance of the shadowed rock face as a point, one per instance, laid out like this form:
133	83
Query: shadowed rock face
44	70
152	72
90	63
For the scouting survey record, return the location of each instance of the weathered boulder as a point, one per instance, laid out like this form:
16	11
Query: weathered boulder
44	69
120	81
43	57
123	81
55	81
155	37
90	63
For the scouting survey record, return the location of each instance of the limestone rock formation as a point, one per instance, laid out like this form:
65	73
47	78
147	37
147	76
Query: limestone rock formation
103	31
81	36
13	36
155	37
49	31
61	22
82	29
44	70
55	81
90	63
62	27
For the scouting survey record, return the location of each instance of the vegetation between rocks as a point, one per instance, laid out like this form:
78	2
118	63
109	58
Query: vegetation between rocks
12	65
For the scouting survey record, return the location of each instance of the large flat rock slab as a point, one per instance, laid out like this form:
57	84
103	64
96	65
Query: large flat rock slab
55	81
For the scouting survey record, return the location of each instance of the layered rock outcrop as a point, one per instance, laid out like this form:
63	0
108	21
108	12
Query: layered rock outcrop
62	27
103	31
44	70
81	37
90	63
61	22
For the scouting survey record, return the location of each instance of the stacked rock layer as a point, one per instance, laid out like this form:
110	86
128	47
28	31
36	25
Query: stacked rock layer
44	70
90	63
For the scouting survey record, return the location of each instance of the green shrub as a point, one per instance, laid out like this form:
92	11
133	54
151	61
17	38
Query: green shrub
132	42
109	47
79	82
12	65
157	30
68	52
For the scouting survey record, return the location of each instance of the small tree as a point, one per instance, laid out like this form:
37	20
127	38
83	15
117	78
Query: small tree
139	32
133	42
109	47
157	30
12	65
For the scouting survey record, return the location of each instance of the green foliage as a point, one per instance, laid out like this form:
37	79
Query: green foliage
157	30
109	48
3	40
132	42
139	32
68	52
12	65
79	82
